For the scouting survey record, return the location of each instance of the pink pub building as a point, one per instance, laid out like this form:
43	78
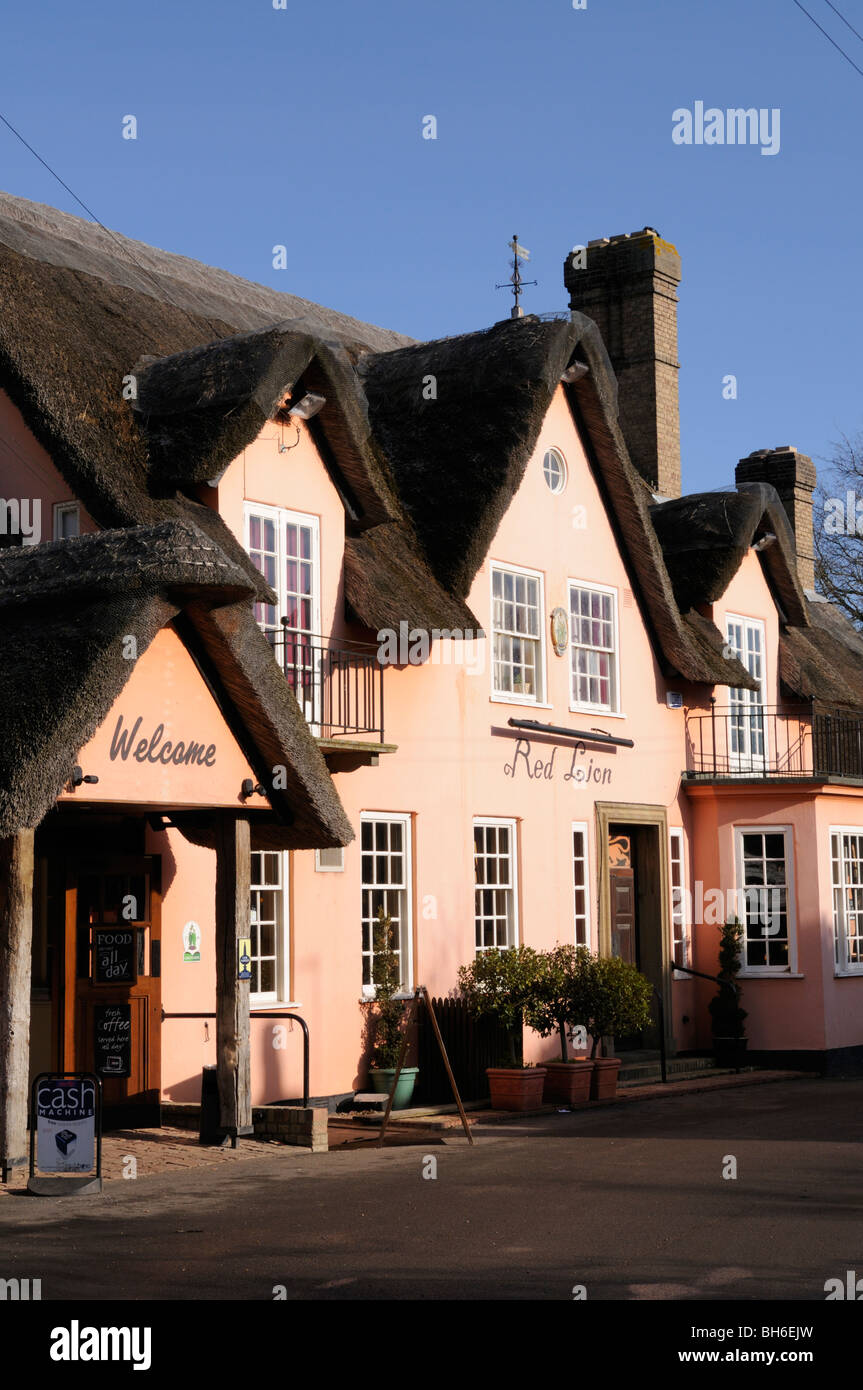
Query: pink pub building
303	619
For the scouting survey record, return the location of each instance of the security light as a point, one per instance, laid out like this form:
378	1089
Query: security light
764	542
574	372
308	406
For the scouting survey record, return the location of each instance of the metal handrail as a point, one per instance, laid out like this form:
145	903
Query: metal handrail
268	1013
717	980
339	684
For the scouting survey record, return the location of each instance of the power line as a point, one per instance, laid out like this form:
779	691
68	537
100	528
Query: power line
107	230
844	20
827	36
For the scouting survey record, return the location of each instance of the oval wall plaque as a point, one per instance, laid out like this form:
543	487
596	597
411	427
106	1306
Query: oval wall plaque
559	630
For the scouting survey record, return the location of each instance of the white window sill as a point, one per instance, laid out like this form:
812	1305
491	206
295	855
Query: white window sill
848	974
596	713
524	700
402	998
770	975
264	1005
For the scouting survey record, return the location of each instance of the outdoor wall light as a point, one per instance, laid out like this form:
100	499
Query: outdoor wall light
78	777
765	541
249	787
573	372
308	406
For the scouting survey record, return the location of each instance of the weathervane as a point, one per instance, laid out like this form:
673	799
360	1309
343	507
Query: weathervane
515	282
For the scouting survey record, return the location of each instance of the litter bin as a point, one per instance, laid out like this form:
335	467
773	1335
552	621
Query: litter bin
210	1130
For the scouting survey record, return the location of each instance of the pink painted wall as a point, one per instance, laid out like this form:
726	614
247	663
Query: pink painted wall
26	470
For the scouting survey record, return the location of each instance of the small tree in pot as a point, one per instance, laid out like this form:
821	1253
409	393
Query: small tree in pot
502	985
617	999
559	1004
727	1017
388	1017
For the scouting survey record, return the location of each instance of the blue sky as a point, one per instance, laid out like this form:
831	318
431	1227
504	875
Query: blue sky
303	127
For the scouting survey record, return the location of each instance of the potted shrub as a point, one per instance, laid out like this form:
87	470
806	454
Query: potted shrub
617	999
501	984
388	1019
559	1006
727	1017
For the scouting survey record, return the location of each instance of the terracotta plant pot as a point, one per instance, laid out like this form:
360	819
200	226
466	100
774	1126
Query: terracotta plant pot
515	1088
605	1071
567	1083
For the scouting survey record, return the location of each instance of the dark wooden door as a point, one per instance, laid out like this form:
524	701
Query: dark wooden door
624	937
113	994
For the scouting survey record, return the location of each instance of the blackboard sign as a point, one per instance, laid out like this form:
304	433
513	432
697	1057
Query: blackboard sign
112	1040
115	956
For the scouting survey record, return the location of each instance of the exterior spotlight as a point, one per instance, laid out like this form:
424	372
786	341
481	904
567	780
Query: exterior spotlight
249	787
764	542
574	372
308	406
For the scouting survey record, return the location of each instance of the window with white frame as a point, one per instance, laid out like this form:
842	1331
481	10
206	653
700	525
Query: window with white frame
580	884
846	855
518	634
765	874
386	886
285	547
495	904
67	520
747	739
554	470
269	925
680	929
593	647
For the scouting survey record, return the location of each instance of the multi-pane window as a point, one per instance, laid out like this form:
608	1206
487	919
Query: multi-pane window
581	902
268	920
495	911
846	854
764	874
554	470
746	734
284	547
593	647
517	620
385	848
680	938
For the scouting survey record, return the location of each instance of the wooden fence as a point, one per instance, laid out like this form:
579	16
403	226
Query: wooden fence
472	1045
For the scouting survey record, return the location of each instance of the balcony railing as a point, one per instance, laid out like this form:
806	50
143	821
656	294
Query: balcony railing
748	740
339	688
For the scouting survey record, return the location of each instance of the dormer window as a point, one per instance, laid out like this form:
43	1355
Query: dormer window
554	470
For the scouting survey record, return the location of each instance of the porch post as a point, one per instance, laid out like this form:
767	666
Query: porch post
233	869
16	935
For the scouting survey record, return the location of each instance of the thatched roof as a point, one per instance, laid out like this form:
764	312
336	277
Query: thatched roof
706	536
471	437
56	238
67	608
201	408
823	662
388	582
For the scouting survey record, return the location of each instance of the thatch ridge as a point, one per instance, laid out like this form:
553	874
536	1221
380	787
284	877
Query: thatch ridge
705	537
57	238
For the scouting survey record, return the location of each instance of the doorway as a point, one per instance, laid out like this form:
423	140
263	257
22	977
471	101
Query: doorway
112	995
634	918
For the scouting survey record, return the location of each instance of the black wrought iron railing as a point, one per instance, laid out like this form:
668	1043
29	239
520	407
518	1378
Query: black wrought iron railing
752	740
339	687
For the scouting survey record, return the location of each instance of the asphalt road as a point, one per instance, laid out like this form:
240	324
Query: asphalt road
629	1202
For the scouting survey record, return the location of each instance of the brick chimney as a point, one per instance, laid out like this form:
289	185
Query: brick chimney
628	286
793	476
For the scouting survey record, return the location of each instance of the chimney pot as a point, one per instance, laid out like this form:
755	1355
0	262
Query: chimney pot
629	288
793	476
